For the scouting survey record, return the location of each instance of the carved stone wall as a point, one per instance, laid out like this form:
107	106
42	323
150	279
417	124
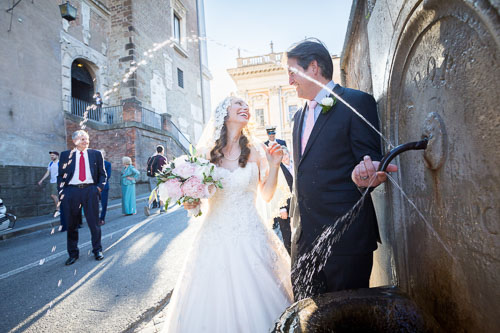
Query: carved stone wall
435	70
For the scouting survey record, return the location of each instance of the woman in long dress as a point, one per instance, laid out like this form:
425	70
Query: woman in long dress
237	275
129	177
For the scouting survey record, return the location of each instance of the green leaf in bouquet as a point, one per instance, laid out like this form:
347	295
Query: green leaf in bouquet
166	204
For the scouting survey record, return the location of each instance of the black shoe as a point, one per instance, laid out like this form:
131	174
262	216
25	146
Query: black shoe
70	261
98	256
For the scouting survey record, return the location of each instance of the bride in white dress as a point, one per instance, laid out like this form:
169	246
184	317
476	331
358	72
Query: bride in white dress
237	275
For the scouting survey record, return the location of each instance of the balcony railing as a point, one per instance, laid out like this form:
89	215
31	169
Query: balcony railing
114	115
107	114
150	118
176	133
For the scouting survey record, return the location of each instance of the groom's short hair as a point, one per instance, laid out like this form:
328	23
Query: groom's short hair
312	49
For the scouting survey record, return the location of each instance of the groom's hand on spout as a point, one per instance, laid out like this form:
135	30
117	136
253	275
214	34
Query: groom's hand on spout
365	174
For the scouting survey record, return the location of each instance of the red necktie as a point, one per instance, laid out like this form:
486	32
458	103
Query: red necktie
82	176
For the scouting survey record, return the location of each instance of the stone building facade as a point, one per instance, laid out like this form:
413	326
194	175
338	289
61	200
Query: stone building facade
433	68
144	58
263	83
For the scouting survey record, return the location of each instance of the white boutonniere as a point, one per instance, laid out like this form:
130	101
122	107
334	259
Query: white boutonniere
327	103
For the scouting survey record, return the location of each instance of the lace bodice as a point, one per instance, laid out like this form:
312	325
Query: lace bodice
239	186
232	210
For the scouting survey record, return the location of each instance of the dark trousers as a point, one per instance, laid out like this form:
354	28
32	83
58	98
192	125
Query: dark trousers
62	218
286	232
74	199
339	273
104	203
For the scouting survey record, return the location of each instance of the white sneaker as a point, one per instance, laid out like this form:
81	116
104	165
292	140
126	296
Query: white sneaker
57	213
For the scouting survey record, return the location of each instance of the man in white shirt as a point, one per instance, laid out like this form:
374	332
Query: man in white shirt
52	170
82	177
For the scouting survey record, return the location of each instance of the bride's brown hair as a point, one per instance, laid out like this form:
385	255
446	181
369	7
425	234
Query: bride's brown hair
216	153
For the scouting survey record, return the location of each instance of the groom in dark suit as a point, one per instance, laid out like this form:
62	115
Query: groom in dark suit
81	178
329	140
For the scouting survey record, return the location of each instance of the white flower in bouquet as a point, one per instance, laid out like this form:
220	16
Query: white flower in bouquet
183	159
184	170
203	171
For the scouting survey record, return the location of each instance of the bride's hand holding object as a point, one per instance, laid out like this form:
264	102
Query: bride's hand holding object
274	154
191	205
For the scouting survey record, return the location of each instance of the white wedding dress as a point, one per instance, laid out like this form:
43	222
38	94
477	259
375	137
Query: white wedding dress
237	274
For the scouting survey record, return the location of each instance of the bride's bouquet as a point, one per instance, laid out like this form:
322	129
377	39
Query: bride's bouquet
188	178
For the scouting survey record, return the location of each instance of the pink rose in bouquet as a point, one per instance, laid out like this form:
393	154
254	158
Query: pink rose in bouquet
194	188
170	189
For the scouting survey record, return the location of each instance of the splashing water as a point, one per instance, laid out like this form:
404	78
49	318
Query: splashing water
312	262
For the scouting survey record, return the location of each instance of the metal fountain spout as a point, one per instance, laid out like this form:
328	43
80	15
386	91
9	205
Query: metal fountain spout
418	145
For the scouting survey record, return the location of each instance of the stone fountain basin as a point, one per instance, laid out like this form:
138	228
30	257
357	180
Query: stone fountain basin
381	309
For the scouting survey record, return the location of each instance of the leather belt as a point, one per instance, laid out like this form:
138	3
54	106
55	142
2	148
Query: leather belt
82	185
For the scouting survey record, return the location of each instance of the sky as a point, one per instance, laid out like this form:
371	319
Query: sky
252	24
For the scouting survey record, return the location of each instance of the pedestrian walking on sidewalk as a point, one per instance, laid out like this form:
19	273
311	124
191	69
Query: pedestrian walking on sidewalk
52	170
128	179
155	164
82	178
105	191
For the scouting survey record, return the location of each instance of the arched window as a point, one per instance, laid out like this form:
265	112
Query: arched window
82	84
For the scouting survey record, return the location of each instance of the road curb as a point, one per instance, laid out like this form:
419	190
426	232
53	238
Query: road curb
50	223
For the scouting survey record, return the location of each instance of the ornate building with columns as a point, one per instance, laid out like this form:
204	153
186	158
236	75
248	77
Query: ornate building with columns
263	83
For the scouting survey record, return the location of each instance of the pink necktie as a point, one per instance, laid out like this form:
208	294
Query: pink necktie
309	124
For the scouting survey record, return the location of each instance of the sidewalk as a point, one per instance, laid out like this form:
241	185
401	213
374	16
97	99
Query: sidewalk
31	224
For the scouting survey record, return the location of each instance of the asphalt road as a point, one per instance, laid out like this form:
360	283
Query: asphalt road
143	257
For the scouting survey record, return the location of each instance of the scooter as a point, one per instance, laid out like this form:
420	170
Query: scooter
7	220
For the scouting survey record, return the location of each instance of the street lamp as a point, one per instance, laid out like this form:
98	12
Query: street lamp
68	12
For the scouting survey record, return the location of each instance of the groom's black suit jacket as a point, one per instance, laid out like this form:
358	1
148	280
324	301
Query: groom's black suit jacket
323	189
